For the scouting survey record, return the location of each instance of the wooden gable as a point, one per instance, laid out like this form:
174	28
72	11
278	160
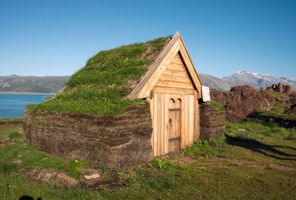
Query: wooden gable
172	67
175	75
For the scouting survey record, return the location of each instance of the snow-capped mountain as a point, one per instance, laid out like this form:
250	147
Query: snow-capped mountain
245	78
258	80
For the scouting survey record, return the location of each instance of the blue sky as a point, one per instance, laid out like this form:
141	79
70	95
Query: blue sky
56	37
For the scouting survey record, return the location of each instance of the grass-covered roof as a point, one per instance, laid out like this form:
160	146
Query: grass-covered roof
101	87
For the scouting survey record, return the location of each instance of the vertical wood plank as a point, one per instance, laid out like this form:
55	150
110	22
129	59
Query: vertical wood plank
184	122
190	119
160	121
152	118
166	113
155	128
197	121
196	117
187	121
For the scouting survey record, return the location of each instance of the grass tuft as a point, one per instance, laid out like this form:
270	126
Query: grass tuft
163	164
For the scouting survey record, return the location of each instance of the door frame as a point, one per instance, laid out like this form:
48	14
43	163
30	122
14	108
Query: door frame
159	114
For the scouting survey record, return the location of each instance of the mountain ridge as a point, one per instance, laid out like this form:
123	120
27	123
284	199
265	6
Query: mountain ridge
32	84
52	84
243	77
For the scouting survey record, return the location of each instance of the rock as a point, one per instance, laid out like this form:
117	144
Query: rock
281	88
293	98
67	180
92	178
91	174
292	110
288	89
218	96
241	101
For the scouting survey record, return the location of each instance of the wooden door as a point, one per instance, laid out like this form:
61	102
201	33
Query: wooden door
174	125
173	120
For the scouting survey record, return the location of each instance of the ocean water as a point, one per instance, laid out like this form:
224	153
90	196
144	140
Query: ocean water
13	105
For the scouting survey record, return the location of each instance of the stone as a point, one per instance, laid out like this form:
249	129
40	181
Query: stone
291	110
281	88
91	174
293	98
241	101
67	180
219	96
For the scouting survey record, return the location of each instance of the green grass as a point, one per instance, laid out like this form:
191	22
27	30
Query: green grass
253	161
7	129
101	87
250	140
261	142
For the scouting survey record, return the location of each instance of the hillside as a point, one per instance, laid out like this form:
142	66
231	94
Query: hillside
45	84
215	82
258	80
52	84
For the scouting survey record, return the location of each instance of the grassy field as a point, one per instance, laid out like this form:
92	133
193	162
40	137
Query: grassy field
252	161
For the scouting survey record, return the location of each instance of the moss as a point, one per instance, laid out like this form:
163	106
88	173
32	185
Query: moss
101	87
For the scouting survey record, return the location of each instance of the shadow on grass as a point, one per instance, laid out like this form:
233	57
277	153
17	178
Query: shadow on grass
259	147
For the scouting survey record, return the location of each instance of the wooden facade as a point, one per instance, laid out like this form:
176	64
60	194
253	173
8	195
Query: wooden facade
173	88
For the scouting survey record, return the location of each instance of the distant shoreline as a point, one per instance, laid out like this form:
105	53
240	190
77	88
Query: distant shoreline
27	93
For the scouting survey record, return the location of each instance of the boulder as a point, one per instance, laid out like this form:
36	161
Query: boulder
292	110
241	101
281	88
219	96
293	98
